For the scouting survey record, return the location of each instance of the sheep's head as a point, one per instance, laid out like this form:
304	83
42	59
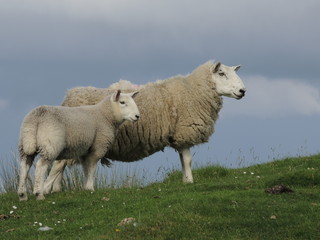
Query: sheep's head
227	82
127	107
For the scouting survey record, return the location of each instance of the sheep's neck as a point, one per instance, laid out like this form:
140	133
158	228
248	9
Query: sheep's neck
111	112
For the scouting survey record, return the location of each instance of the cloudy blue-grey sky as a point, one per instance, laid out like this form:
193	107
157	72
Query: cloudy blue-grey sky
47	47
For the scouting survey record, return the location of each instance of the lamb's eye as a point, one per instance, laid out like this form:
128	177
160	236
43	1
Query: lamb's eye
222	74
122	102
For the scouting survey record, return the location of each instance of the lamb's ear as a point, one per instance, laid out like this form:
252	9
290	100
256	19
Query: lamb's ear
116	96
236	68
134	94
215	67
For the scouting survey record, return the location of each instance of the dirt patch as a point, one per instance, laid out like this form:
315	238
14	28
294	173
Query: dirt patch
279	189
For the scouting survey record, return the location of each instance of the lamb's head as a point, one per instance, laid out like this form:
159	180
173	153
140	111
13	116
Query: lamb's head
227	82
125	105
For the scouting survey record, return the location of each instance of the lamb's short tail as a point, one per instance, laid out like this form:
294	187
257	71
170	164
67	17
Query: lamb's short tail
28	137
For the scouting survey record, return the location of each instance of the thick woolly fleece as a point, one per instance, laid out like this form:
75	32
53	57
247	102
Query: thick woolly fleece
179	112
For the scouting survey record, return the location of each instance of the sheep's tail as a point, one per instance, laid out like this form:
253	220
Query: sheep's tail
28	137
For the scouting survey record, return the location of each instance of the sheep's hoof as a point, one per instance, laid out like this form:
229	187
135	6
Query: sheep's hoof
56	189
47	191
89	189
187	180
23	197
39	196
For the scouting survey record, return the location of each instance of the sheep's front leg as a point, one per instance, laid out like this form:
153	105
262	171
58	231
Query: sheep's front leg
89	165
41	168
25	165
186	159
53	181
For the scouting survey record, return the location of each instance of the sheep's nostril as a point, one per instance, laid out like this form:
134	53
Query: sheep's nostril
243	91
137	116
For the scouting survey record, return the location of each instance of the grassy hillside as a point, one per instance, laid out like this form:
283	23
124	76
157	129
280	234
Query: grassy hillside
221	204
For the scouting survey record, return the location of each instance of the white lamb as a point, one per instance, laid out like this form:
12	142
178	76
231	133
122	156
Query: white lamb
179	112
84	133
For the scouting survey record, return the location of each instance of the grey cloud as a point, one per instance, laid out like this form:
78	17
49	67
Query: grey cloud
240	30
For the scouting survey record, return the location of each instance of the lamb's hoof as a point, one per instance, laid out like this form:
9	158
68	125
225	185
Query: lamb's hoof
23	197
39	196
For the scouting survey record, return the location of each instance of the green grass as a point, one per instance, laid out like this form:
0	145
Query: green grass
221	204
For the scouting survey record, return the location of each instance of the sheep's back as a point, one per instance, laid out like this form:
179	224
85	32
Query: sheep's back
81	96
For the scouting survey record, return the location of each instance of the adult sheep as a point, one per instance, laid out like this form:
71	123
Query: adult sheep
179	112
84	133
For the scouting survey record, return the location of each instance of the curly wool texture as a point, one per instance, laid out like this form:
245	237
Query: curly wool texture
179	112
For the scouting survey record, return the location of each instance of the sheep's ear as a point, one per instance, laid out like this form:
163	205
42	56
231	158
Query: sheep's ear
134	94
116	96
215	67
236	68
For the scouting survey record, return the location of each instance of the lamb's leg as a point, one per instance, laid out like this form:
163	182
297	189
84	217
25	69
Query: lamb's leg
41	169
25	165
53	181
186	158
89	166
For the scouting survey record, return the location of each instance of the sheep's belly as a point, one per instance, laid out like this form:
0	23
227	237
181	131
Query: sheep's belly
77	153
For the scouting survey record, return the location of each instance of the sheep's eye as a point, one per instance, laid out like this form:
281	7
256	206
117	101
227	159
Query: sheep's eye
222	74
122	102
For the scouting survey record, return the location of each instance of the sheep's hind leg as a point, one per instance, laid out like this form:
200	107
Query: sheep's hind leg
186	159
41	168
53	181
25	165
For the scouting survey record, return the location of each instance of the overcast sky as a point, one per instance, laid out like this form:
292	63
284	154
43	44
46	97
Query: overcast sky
47	47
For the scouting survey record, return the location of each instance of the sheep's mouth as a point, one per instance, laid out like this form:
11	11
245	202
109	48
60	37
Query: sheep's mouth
238	97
